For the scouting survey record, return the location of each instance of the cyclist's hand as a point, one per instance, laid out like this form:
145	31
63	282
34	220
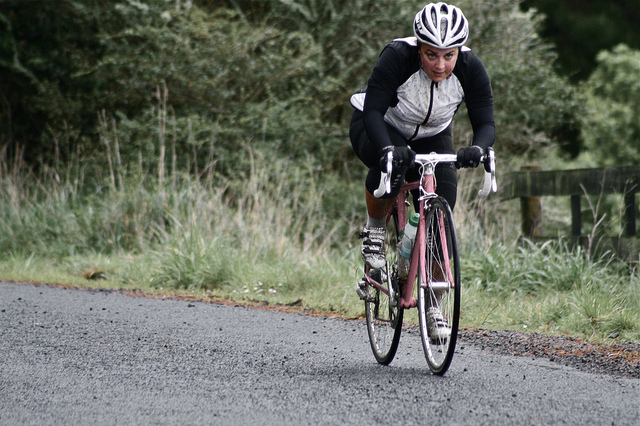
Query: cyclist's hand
403	158
469	156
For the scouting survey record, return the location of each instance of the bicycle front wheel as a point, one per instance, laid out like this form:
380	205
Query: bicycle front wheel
382	307
439	287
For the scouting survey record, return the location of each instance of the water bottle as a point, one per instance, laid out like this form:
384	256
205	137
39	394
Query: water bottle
406	245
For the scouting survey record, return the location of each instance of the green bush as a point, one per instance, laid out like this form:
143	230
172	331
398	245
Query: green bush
534	107
275	75
611	129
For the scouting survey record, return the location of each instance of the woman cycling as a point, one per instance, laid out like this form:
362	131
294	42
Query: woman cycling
414	91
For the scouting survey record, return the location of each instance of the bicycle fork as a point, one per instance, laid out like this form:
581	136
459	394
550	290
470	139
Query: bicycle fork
419	252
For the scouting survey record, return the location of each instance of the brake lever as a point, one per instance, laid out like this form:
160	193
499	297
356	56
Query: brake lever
490	183
385	178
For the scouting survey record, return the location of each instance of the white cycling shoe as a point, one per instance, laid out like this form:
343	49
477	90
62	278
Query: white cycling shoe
373	252
437	326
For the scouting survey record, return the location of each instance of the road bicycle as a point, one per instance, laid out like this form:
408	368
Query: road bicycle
432	284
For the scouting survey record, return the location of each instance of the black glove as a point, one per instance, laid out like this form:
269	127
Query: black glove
403	158
469	156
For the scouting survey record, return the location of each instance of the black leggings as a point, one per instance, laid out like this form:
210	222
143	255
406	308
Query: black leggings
442	143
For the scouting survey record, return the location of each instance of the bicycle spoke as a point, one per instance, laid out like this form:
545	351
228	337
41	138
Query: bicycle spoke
439	295
384	318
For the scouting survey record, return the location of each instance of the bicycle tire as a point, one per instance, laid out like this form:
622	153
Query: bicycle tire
443	292
384	319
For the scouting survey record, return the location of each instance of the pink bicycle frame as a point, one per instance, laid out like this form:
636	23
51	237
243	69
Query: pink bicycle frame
426	184
419	247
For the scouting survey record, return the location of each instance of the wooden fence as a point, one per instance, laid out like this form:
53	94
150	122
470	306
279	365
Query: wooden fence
531	184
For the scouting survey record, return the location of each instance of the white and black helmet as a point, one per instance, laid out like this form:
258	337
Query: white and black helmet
441	25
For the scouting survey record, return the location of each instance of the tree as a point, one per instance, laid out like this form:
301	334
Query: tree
69	61
582	28
534	107
273	74
46	85
611	127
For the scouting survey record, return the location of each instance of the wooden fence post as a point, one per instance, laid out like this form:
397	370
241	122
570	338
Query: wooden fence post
630	213
576	219
531	183
531	209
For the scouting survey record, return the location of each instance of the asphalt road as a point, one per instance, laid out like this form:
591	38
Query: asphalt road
92	357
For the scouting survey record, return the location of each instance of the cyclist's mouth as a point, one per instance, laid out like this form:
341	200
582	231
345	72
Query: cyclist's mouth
440	75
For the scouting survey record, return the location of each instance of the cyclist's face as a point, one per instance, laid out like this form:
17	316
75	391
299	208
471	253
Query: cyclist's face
438	63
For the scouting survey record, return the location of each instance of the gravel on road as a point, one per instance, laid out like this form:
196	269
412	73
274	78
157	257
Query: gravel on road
619	359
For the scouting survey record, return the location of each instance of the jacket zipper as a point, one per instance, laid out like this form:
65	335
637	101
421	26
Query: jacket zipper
433	84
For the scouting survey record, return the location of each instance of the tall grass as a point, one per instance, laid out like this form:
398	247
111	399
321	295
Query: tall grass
264	233
285	232
552	287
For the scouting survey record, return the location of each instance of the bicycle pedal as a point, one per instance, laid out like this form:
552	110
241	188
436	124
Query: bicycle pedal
362	290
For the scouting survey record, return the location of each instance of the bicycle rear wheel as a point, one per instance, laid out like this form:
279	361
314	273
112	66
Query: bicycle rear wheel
384	316
439	292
